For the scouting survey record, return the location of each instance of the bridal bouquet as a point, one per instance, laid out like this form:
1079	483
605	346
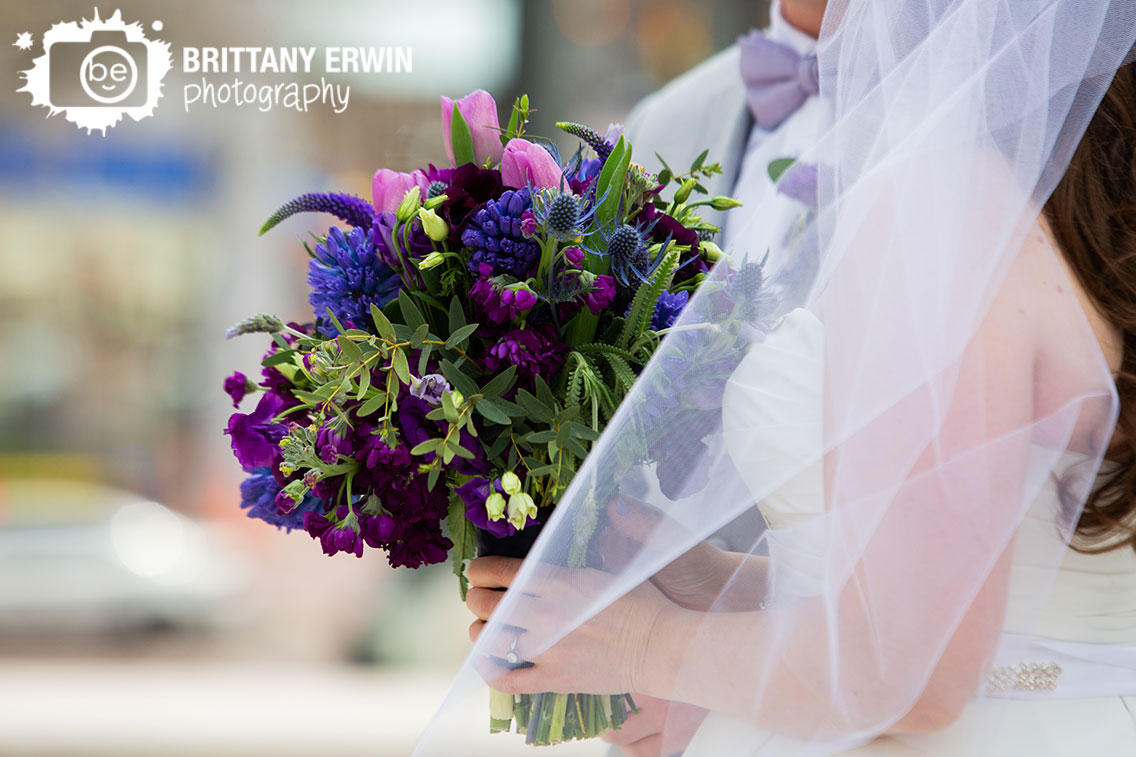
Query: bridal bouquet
474	328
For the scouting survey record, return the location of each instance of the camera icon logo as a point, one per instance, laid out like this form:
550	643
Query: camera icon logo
106	70
97	71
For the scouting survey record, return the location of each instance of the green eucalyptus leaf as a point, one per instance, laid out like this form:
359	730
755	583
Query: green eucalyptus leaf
382	323
410	312
778	168
464	539
460	336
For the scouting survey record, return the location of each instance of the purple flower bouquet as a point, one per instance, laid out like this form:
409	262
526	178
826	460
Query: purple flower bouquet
474	329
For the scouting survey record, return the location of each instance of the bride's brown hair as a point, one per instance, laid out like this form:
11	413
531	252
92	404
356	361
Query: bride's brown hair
1093	216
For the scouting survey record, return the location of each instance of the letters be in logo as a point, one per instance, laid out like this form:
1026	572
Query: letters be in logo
97	71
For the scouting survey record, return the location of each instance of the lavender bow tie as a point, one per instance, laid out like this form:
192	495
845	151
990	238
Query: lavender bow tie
778	79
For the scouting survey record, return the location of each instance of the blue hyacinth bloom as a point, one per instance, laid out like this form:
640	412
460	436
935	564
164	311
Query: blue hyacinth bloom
494	236
347	276
258	496
668	309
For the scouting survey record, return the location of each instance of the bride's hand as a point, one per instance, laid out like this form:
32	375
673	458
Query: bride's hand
694	579
613	652
659	728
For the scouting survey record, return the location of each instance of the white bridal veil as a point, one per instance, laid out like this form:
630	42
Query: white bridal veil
904	398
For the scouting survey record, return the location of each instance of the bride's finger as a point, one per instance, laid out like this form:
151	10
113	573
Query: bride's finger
482	602
493	572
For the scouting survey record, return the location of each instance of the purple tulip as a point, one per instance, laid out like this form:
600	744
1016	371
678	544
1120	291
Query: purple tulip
526	164
480	112
389	187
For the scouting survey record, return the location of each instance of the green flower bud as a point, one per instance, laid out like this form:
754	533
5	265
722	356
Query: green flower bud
433	260
725	203
433	225
457	397
409	205
510	483
495	506
435	201
712	252
682	194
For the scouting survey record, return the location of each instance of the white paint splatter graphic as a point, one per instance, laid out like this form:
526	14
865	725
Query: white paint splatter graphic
96	71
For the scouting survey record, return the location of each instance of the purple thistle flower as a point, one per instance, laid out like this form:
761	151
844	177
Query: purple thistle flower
347	276
350	209
495	235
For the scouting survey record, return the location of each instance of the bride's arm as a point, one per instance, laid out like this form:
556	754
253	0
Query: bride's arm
833	661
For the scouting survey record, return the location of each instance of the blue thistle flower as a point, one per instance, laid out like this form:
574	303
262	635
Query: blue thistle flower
258	496
495	237
563	215
626	247
346	276
350	209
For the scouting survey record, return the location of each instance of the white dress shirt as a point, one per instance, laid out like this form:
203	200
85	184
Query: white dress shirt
764	220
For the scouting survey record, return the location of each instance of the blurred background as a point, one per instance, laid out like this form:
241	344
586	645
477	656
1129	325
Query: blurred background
140	611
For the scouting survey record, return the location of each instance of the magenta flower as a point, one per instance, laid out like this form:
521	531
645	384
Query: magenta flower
237	386
479	110
525	164
255	438
389	187
534	351
600	296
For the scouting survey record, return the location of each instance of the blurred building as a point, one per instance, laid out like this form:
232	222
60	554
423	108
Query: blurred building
125	257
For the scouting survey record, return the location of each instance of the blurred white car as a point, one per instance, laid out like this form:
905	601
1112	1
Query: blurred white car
77	557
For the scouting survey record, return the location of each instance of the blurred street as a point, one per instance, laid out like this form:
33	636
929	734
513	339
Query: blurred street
194	707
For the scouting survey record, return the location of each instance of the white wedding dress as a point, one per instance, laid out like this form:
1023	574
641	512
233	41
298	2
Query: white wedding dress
1087	625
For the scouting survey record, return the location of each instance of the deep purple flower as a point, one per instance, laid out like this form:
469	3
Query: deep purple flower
496	238
498	306
255	439
237	386
600	296
330	444
419	546
534	351
417	428
469	188
574	256
341	539
259	493
378	530
347	277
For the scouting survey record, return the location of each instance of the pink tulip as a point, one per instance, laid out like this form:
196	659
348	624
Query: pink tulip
479	110
526	164
389	187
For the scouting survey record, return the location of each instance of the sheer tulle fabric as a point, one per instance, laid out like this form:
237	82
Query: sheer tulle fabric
898	403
